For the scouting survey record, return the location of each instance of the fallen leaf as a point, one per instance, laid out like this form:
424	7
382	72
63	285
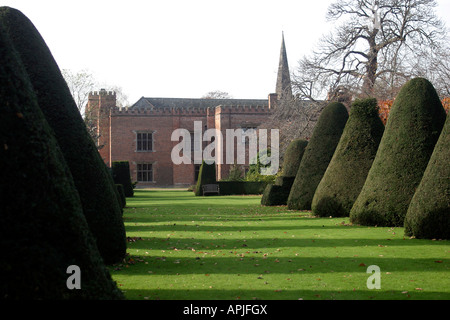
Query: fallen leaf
362	264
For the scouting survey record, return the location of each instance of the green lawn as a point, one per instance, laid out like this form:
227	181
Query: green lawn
184	247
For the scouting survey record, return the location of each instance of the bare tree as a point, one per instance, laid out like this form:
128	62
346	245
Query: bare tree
436	69
80	84
217	94
377	44
295	119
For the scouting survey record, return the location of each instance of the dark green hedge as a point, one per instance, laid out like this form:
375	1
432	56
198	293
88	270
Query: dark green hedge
277	194
413	127
428	214
351	162
92	179
43	230
317	156
293	156
122	197
121	175
206	175
241	187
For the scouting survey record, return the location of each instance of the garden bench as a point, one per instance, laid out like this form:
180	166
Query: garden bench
211	188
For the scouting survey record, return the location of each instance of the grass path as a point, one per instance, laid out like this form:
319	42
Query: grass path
186	248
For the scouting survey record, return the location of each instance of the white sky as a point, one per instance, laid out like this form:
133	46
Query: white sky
181	48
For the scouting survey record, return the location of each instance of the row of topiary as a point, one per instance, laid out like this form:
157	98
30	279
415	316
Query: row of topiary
59	205
396	175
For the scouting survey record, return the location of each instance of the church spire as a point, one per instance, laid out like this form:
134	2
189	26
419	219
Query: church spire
283	88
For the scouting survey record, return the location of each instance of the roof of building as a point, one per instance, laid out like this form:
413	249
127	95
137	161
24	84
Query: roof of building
195	103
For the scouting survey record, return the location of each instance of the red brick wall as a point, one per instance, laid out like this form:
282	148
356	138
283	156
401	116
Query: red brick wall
234	118
118	132
123	140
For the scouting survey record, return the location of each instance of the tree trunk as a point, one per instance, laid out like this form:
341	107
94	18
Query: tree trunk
372	66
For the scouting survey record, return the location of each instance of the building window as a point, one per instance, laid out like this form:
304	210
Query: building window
145	172
144	141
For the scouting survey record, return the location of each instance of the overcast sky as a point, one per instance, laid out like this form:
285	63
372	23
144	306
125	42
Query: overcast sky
181	48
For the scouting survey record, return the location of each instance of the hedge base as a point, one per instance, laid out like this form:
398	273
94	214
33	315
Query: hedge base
277	194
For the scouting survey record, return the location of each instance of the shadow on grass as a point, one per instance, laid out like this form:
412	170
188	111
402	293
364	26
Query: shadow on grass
178	197
163	243
211	294
254	264
225	229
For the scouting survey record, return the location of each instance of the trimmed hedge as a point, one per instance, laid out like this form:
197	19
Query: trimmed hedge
293	156
351	162
122	197
206	175
277	194
121	175
428	214
92	179
413	127
317	156
43	230
241	187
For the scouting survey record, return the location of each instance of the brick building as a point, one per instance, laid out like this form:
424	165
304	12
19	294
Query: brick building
141	134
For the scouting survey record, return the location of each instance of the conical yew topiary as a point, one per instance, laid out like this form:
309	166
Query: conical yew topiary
92	179
317	156
352	159
43	230
413	127
121	196
292	157
428	214
121	175
277	194
206	175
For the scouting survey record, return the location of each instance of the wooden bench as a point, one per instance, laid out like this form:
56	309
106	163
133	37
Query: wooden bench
211	188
